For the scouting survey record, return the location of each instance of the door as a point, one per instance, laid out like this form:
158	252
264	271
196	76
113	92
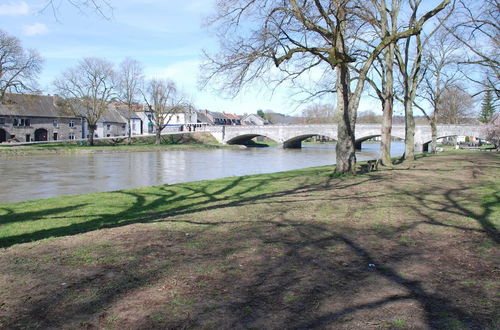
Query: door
3	135
41	134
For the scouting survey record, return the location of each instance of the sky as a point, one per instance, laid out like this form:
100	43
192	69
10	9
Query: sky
167	36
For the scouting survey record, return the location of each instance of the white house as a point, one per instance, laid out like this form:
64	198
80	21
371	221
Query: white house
110	124
253	119
184	116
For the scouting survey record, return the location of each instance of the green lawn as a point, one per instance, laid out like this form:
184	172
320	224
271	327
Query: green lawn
54	217
412	246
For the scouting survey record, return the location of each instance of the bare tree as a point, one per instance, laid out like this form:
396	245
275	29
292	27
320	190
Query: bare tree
476	25
163	100
19	68
385	23
440	74
319	114
369	117
296	37
88	89
101	7
130	78
410	68
455	106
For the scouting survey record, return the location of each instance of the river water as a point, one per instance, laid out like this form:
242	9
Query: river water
34	177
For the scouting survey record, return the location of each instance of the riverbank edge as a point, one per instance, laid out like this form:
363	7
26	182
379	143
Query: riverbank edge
24	151
139	144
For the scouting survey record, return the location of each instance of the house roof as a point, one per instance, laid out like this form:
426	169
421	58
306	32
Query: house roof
125	114
218	115
111	115
203	118
253	119
134	107
231	116
33	105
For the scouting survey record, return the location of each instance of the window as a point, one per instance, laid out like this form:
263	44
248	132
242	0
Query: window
2	121
72	124
71	136
108	127
54	123
19	122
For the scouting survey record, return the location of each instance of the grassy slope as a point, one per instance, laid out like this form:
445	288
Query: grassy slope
182	141
289	249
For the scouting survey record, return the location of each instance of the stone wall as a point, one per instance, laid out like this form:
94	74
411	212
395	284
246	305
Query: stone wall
41	128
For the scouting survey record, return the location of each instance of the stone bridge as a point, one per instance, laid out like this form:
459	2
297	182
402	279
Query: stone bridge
291	136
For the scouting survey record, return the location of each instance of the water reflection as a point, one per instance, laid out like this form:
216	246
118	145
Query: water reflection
35	177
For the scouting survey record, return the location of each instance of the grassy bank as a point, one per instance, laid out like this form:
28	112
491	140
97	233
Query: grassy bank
180	141
414	246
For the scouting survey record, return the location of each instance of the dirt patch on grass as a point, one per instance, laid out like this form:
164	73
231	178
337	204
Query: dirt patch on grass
415	246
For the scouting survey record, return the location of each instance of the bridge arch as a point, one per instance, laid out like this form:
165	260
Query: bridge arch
427	143
360	140
296	141
246	138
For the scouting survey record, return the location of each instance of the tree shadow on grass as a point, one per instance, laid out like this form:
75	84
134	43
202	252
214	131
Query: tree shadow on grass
8	215
159	202
295	280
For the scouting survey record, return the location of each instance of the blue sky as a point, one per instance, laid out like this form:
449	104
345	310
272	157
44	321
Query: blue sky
165	35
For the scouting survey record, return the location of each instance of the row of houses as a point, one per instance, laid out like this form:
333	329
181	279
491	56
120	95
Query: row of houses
27	118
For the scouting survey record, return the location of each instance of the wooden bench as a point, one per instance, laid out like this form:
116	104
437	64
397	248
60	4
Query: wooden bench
371	165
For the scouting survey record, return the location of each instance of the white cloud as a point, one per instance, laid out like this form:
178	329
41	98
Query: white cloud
35	29
14	8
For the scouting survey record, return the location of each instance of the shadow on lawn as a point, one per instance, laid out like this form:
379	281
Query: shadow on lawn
306	285
302	274
169	201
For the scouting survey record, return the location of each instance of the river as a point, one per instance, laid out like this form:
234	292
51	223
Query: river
35	177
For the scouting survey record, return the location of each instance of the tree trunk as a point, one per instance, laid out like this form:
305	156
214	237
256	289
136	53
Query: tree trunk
129	133
409	130
91	134
158	137
385	145
388	94
434	134
345	150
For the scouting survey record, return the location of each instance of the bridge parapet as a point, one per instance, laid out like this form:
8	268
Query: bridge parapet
292	135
